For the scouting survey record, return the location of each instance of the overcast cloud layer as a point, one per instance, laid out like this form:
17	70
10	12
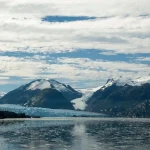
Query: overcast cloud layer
82	43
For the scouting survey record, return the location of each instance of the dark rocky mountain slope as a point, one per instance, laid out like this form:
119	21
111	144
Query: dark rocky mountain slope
120	97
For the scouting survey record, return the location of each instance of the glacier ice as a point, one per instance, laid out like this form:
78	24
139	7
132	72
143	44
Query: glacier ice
45	112
80	103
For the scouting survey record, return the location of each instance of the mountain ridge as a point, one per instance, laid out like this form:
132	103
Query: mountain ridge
121	95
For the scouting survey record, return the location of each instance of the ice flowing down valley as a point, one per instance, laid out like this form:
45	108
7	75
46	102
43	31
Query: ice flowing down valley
80	103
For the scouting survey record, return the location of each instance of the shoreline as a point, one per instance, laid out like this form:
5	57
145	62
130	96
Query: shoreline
77	119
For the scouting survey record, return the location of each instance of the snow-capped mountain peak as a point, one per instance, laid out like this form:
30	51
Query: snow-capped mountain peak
42	84
39	85
59	86
143	80
43	93
108	83
126	81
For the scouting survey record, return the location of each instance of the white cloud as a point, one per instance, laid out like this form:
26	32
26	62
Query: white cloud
121	26
109	66
77	7
124	32
143	59
74	69
108	53
3	78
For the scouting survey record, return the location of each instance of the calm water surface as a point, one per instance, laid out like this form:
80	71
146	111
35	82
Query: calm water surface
75	134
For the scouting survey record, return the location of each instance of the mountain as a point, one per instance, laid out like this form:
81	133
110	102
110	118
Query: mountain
42	93
141	109
122	97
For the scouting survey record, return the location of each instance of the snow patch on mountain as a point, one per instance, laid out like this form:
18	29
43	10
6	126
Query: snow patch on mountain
40	85
95	89
47	84
59	86
143	80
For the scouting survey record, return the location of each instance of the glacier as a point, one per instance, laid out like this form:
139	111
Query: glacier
80	103
45	112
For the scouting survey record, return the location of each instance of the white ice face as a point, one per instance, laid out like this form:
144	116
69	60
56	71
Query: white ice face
45	112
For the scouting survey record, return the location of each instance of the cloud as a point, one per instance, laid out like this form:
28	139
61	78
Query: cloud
115	28
92	8
143	59
109	66
3	78
108	53
75	69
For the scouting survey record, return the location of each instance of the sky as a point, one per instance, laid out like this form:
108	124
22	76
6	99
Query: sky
80	43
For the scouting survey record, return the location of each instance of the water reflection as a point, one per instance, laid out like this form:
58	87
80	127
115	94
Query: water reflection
75	135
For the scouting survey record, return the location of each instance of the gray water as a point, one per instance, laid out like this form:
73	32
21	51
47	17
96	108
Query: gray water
75	134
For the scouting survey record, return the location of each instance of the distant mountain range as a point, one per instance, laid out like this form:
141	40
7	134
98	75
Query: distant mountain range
119	97
42	93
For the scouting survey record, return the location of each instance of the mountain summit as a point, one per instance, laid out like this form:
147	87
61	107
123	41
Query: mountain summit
42	93
126	82
42	84
122	97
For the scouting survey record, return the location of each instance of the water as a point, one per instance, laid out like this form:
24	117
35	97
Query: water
75	134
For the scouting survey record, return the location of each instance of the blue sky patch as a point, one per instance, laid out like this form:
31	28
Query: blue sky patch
66	18
93	54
